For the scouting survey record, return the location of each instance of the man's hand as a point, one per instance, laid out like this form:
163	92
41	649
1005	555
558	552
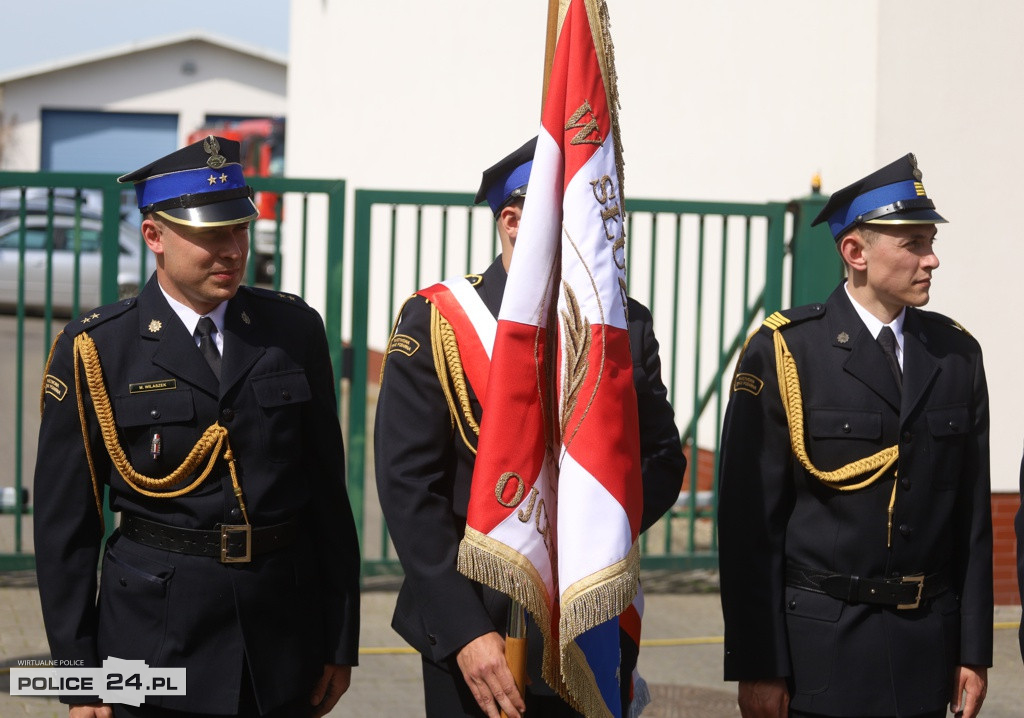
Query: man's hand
972	681
764	699
90	710
483	665
332	684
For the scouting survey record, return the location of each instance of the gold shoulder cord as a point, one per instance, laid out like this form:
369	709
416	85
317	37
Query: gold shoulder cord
208	448
448	364
792	402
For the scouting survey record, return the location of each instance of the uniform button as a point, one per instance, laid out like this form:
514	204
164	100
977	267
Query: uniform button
907	436
227	415
846	428
954	426
235	513
286	395
155	414
124	582
906	529
792	605
905	483
432	638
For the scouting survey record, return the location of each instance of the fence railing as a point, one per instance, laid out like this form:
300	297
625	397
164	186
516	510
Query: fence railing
707	270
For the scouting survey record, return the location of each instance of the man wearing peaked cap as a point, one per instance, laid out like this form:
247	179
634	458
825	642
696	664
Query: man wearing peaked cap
210	427
424	449
854	509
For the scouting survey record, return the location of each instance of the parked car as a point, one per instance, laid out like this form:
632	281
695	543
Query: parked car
37	239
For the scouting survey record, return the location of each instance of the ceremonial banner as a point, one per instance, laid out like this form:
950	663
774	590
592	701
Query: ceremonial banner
556	500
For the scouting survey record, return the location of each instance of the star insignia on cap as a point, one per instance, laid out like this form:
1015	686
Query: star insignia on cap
843	337
155	326
223	178
245	318
212	179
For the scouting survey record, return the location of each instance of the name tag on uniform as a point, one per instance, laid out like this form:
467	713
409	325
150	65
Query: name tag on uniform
146	386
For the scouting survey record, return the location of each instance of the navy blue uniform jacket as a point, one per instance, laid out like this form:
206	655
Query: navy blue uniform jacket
286	613
846	658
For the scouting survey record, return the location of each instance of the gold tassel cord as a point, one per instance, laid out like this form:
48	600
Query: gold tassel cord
208	448
792	401
448	365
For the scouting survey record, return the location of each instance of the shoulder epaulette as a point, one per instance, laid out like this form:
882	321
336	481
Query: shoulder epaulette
788	317
943	319
274	295
97	316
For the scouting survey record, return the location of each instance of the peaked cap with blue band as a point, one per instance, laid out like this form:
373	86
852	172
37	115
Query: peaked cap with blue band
505	181
201	185
891	195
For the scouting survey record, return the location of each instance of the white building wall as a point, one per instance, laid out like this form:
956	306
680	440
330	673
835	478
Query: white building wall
952	91
152	81
737	100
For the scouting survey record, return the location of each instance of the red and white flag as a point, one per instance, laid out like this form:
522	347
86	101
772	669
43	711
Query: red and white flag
556	500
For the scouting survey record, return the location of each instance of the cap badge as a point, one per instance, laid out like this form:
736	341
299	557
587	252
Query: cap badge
155	326
212	147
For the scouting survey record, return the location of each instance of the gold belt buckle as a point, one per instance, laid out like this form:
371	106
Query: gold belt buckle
226	531
917	578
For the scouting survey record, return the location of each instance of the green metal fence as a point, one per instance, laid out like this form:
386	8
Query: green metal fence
707	270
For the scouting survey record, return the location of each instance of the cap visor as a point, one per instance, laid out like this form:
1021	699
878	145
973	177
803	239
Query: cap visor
232	211
921	216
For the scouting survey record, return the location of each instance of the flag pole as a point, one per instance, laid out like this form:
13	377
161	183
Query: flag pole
549	47
515	634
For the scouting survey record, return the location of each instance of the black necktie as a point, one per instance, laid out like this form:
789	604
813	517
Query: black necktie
887	340
207	346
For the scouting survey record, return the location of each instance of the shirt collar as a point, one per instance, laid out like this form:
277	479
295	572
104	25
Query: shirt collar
874	324
190	318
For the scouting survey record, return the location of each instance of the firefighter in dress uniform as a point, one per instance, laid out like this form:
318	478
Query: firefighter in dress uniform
425	440
855	519
206	412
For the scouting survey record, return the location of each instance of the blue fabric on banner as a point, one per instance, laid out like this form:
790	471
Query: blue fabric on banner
601	647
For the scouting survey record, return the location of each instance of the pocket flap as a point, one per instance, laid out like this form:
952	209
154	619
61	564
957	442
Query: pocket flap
844	424
809	604
948	420
158	407
281	388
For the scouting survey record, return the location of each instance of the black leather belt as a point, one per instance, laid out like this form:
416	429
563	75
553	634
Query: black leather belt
230	543
902	592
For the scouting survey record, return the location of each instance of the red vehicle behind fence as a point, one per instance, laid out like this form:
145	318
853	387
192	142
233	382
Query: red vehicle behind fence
262	150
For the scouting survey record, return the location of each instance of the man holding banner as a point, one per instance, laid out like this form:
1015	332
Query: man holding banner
554	382
424	466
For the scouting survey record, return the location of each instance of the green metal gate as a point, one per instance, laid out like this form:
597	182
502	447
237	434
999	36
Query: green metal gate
707	270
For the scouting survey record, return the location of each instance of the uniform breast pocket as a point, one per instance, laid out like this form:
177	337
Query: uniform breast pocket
141	416
948	427
844	424
281	397
836	437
